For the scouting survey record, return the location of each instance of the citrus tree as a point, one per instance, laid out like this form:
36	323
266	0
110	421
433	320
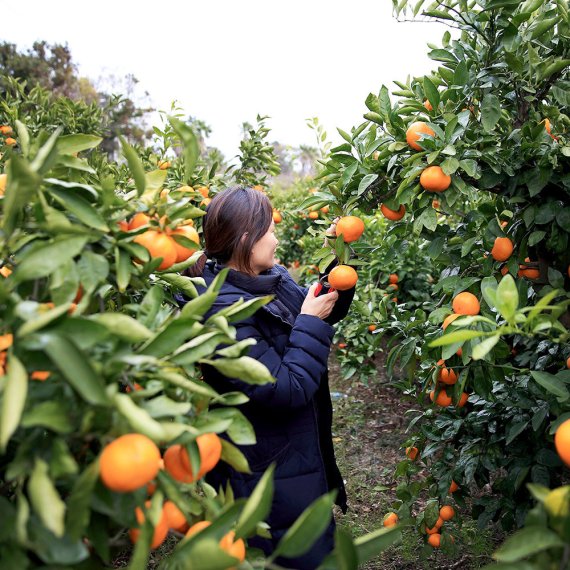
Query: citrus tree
471	161
106	429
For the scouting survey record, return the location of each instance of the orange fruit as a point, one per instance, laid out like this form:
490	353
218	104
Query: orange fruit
435	204
393	287
447	376
459	351
40	375
351	228
160	530
428	105
158	244
6	130
259	188
435	528
390	519
342	345
466	304
528	272
3	181
393	215
504	270
547	125
164	164
502	249
277	217
183	252
453	487
393	278
205	202
313	215
11	142
568	362
174	516
434	540
204	191
412	453
210	449
325	209
415	131
449	319
138	220
562	441
6	341
235	549
463	399
5	271
129	462
173	465
342	277
447	512
371	328
434	179
442	399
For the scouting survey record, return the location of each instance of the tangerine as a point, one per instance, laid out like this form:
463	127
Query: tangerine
342	277
434	179
562	441
351	228
175	518
160	530
447	512
502	249
393	215
210	449
183	252
415	132
466	304
129	462
160	245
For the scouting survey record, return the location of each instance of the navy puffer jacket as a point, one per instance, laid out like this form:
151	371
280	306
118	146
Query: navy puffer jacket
292	417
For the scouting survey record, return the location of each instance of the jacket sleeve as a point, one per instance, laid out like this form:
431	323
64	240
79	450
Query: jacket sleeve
298	371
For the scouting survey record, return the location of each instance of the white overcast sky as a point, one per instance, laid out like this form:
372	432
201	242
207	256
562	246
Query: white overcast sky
225	61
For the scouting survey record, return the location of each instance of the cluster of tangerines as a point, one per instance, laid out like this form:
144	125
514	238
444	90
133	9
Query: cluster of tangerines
350	229
159	240
6	131
393	286
464	303
432	178
133	461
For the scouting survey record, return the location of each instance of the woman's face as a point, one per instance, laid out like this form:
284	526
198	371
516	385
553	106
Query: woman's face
263	252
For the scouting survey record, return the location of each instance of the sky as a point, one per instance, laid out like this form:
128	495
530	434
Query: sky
224	62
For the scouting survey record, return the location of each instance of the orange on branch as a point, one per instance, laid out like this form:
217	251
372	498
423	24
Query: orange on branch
393	215
129	462
390	519
11	141
434	540
138	220
183	252
175	518
210	449
173	465
412	453
449	319
562	441
453	487
393	278
447	376
502	249
158	245
434	179
164	164
415	132
428	105
277	217
350	227
6	130
160	530
463	399
313	215
442	399
466	303
342	277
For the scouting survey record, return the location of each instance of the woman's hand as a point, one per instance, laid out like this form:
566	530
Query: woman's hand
331	231
318	306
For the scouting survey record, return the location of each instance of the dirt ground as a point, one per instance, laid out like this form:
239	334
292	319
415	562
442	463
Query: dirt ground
369	425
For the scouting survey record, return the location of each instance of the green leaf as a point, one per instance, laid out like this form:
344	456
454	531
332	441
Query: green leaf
527	541
258	505
135	166
234	457
23	183
42	320
244	368
191	147
150	305
483	348
123	326
307	528
139	419
122	268
490	112
79	502
80	208
48	256
551	384
45	499
187	384
70	144
431	92
199	347
370	545
75	367
450	165
456	336
366	182
13	400
507	297
52	415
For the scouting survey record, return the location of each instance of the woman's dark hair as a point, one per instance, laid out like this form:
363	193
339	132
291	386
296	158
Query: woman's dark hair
235	220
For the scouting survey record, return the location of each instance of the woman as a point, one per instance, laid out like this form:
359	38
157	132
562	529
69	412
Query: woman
291	417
